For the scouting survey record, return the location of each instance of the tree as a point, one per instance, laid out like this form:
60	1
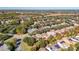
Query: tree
29	40
10	46
37	45
40	43
58	36
77	29
77	46
66	34
71	48
72	33
51	40
13	22
20	30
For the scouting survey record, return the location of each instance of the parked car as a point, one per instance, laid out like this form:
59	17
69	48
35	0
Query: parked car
48	48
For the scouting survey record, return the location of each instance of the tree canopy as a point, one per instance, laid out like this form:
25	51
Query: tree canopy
29	40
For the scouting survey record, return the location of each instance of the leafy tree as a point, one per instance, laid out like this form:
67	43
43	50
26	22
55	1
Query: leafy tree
72	33
66	34
29	40
77	46
51	39
71	48
10	46
58	36
77	29
13	22
37	45
40	43
20	30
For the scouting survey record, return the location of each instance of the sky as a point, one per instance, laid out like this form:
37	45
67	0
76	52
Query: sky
39	8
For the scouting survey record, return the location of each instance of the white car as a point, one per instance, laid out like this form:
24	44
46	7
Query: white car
48	48
75	39
62	45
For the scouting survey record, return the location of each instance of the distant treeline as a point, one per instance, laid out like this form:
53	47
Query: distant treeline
43	11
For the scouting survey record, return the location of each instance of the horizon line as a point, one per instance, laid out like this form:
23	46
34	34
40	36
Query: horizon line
39	8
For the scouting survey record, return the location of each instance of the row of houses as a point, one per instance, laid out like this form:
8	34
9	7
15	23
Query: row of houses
44	35
52	33
63	44
9	21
